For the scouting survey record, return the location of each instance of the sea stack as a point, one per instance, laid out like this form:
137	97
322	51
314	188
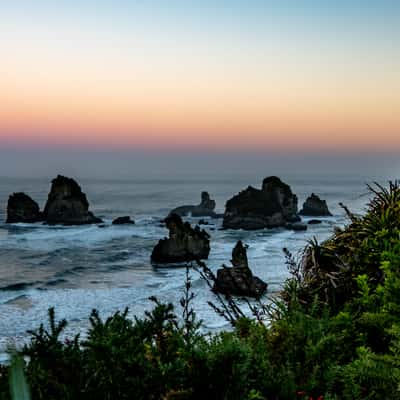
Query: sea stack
204	209
273	206
125	220
67	204
22	208
183	244
315	207
239	280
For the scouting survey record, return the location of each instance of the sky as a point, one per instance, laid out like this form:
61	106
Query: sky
214	76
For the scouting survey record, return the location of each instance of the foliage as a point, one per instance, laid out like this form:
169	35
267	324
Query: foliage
19	389
333	333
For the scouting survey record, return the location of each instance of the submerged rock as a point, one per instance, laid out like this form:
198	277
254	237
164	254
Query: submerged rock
67	204
204	209
314	206
239	280
123	220
296	226
314	222
273	206
22	208
183	244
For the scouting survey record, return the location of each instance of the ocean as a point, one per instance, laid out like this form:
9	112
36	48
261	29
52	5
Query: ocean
77	269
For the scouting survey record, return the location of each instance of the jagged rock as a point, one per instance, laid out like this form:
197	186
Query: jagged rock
123	220
239	280
204	209
296	226
314	222
314	206
21	208
67	204
273	206
184	243
239	256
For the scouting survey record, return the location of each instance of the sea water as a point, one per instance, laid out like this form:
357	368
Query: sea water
77	269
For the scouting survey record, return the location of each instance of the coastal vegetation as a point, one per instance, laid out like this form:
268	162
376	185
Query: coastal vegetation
332	333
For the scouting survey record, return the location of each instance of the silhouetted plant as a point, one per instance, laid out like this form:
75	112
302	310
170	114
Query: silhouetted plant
190	323
228	308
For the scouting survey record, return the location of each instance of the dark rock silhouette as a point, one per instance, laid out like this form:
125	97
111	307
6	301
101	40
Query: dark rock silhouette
296	226
21	208
314	222
314	206
239	280
184	243
123	220
204	209
239	256
273	206
67	204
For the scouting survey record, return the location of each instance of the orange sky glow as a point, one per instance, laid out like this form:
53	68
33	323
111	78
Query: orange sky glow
156	87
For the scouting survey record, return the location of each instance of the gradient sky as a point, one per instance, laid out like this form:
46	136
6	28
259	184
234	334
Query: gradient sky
222	75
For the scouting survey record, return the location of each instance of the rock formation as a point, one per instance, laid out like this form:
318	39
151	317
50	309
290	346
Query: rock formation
273	206
239	280
204	209
67	204
314	222
21	208
296	226
123	220
239	256
183	244
314	206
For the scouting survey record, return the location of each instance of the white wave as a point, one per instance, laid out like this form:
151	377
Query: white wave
43	237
